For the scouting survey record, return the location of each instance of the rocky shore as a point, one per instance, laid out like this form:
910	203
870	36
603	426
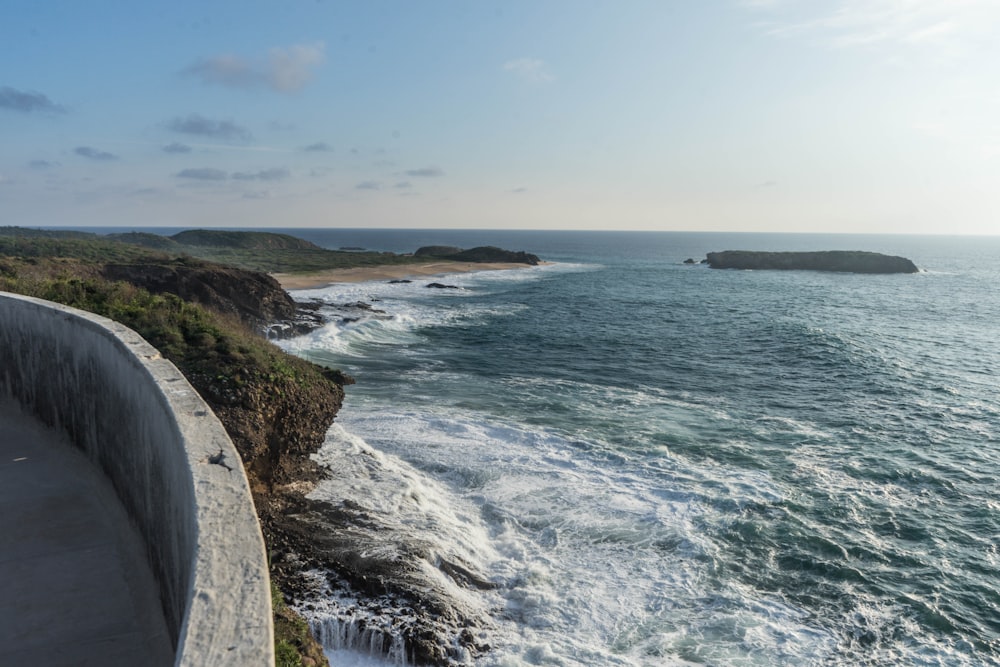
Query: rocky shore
212	322
277	424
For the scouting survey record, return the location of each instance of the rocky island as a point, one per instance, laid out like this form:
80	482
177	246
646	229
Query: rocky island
842	261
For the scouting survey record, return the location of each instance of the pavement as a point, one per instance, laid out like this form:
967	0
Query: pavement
75	585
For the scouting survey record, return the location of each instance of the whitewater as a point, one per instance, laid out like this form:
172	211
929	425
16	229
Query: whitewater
654	463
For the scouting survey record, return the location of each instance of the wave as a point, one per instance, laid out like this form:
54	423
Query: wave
654	466
594	564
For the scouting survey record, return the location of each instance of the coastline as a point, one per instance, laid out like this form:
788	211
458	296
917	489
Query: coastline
295	281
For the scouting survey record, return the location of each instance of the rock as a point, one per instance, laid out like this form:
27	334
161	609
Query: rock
363	305
689	261
442	286
845	261
399	282
255	297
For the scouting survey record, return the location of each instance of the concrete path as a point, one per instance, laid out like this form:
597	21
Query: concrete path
75	587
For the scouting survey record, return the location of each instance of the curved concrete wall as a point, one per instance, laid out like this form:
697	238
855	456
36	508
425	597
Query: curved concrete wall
137	418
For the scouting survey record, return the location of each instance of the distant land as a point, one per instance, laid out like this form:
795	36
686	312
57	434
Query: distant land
841	261
269	252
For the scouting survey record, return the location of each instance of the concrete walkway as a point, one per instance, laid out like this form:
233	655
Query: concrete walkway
75	587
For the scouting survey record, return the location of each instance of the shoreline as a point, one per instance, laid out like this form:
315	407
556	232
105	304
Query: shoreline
317	279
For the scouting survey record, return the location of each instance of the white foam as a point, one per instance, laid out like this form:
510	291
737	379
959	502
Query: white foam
598	565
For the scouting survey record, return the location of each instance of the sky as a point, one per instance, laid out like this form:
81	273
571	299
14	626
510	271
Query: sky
878	116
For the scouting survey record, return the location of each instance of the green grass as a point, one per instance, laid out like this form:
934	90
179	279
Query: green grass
292	639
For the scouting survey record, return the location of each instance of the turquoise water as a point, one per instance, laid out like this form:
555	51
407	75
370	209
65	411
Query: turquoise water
660	463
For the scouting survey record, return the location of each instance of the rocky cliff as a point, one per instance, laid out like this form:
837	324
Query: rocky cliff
845	261
254	297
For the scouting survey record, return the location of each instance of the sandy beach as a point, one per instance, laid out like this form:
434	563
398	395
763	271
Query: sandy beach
291	281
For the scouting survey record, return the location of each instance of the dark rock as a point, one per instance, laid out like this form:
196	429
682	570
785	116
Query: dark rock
362	557
442	286
845	261
399	282
689	261
363	305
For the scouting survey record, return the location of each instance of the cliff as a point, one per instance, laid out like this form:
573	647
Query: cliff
845	261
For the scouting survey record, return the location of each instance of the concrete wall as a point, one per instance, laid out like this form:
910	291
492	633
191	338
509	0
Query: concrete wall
136	417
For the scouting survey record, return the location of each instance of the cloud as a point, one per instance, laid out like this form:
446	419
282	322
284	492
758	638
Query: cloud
403	185
176	148
518	191
368	185
197	124
263	194
850	23
529	69
42	164
94	154
203	174
284	70
319	147
425	172
27	102
760	4
276	174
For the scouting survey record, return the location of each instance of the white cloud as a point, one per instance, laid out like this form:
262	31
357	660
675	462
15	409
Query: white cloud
847	23
529	69
284	70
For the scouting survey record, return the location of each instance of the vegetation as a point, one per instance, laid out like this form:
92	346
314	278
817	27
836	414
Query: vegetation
293	644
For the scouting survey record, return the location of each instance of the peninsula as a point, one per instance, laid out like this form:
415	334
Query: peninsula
842	261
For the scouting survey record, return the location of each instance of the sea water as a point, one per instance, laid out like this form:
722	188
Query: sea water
659	463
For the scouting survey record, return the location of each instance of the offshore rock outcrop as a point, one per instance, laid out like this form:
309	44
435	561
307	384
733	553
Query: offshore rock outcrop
843	261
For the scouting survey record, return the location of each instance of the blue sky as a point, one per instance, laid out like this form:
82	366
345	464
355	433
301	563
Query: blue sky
714	115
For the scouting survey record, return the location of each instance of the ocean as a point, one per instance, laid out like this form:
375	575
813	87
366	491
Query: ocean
664	464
